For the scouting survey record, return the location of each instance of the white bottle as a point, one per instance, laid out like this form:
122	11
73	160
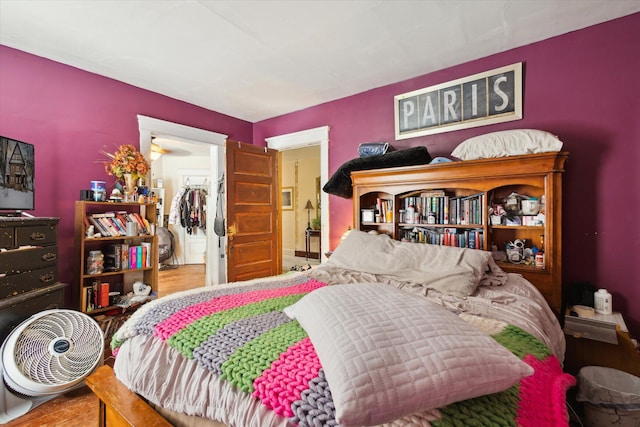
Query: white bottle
409	214
602	302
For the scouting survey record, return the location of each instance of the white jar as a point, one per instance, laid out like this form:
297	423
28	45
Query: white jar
409	214
530	206
602	302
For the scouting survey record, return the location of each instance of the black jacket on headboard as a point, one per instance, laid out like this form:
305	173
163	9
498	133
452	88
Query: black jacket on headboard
340	182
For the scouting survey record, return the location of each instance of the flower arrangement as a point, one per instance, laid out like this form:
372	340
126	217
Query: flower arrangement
126	160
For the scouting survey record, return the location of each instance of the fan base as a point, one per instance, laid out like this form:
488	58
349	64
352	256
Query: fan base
13	405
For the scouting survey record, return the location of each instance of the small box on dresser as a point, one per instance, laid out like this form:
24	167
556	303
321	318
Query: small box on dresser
28	270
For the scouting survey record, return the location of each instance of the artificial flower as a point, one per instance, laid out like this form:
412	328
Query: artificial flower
126	160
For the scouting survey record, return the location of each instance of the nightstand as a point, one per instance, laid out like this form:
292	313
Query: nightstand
601	340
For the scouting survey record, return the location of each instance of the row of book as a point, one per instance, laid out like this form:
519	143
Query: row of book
101	295
384	210
122	256
461	238
114	224
97	296
436	207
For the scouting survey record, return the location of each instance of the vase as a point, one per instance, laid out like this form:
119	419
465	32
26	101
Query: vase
129	189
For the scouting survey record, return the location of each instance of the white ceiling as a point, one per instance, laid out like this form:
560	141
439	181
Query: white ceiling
254	59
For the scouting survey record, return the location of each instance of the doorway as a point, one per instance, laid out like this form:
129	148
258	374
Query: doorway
302	139
300	180
186	140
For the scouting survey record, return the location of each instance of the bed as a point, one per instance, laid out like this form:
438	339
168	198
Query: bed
385	333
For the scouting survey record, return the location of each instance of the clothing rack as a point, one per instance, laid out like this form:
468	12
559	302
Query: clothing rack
204	186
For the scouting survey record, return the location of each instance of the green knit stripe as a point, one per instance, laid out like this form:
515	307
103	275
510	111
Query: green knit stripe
493	410
521	343
250	360
499	409
188	339
116	343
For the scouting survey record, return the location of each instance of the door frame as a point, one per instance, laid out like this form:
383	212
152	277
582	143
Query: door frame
149	127
308	138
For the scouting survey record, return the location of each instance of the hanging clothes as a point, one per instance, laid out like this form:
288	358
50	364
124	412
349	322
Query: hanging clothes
174	210
192	209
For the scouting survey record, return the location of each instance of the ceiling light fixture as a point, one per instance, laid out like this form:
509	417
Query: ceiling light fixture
157	151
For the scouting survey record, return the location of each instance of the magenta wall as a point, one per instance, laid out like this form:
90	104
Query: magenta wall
70	115
583	87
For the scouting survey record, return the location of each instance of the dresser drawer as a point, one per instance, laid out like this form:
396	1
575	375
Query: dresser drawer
16	309
6	238
39	235
15	284
23	260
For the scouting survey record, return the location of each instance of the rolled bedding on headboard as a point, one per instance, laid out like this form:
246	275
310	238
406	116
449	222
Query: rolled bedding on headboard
451	270
340	182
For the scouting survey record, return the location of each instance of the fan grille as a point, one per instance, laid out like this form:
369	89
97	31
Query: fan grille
58	348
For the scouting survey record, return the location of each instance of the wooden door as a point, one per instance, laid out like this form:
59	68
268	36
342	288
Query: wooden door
253	208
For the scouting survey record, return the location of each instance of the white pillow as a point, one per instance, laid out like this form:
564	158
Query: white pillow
387	353
507	143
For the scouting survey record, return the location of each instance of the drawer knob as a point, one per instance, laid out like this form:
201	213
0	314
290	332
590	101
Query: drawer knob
49	256
38	236
46	278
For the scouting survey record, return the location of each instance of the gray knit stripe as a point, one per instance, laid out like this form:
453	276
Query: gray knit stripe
164	309
213	352
315	407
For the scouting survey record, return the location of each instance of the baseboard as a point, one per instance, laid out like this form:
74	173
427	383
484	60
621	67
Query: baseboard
312	255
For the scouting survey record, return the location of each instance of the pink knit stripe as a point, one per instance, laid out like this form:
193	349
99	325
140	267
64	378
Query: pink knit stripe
286	379
542	395
181	319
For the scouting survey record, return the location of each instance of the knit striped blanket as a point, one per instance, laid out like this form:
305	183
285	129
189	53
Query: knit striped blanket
242	335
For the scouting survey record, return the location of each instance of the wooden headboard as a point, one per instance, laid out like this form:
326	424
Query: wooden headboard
488	182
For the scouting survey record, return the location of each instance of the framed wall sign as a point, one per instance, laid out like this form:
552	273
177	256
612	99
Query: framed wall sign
287	198
494	96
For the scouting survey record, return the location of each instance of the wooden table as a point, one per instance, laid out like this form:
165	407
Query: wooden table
308	233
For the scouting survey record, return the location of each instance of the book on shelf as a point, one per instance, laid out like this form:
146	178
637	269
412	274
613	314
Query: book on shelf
383	210
103	298
139	257
120	228
143	226
89	299
125	256
438	207
99	228
113	258
114	224
105	219
133	258
146	253
96	296
103	225
433	207
462	238
470	209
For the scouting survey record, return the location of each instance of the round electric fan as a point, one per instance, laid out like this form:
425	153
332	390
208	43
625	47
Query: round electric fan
166	242
45	356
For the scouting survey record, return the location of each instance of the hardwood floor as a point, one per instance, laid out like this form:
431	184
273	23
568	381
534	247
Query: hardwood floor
79	408
180	279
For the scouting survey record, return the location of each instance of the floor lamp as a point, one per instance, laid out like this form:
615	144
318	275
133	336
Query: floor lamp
308	207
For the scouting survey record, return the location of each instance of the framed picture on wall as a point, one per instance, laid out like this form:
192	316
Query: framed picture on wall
287	198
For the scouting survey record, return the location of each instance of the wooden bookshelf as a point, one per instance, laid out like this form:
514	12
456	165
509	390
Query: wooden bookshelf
487	182
119	277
